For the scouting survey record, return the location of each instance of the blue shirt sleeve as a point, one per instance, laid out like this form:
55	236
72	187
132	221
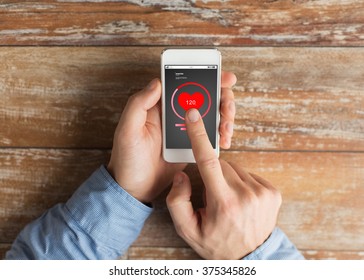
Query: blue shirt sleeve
276	247
100	221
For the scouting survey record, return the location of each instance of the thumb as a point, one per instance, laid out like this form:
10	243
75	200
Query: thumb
180	207
135	112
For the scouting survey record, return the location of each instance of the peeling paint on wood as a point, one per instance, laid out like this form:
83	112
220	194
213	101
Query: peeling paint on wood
322	193
288	23
286	98
32	180
108	28
302	106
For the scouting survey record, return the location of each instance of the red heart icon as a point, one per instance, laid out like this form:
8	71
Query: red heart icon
188	101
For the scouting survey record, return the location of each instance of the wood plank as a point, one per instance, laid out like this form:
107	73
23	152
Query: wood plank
333	255
6	247
322	192
323	196
322	206
178	253
158	253
32	180
139	22
298	99
287	98
162	253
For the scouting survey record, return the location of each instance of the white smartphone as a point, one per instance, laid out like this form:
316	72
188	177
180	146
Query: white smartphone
190	79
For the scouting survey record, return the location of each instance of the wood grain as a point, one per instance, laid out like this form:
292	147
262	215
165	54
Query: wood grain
172	253
32	180
140	22
158	253
3	249
323	196
286	98
333	255
322	192
299	122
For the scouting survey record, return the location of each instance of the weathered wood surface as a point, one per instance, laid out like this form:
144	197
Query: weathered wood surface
333	255
323	195
299	122
286	98
151	22
32	180
162	253
3	249
186	253
171	253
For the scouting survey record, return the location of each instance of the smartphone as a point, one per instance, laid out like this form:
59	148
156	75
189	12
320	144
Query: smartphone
190	79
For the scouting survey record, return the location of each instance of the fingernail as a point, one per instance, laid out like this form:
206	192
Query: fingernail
152	84
193	115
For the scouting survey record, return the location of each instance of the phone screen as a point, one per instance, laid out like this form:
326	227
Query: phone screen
186	87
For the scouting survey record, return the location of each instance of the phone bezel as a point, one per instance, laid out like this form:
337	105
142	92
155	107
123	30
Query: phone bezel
189	56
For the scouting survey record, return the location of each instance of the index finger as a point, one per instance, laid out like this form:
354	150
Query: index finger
205	156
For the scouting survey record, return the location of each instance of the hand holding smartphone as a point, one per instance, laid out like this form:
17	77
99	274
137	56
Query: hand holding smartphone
191	78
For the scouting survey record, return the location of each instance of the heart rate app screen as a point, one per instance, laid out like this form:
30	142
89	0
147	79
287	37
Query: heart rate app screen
189	87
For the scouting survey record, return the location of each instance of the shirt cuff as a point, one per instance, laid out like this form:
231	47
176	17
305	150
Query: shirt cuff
276	247
106	212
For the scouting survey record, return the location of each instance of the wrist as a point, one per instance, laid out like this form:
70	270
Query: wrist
126	186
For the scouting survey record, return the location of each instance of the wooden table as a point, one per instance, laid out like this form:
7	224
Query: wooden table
67	68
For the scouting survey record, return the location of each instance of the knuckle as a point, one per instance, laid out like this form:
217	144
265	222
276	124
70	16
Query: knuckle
183	232
277	196
135	98
228	206
210	162
271	195
200	133
180	230
227	93
252	198
169	199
